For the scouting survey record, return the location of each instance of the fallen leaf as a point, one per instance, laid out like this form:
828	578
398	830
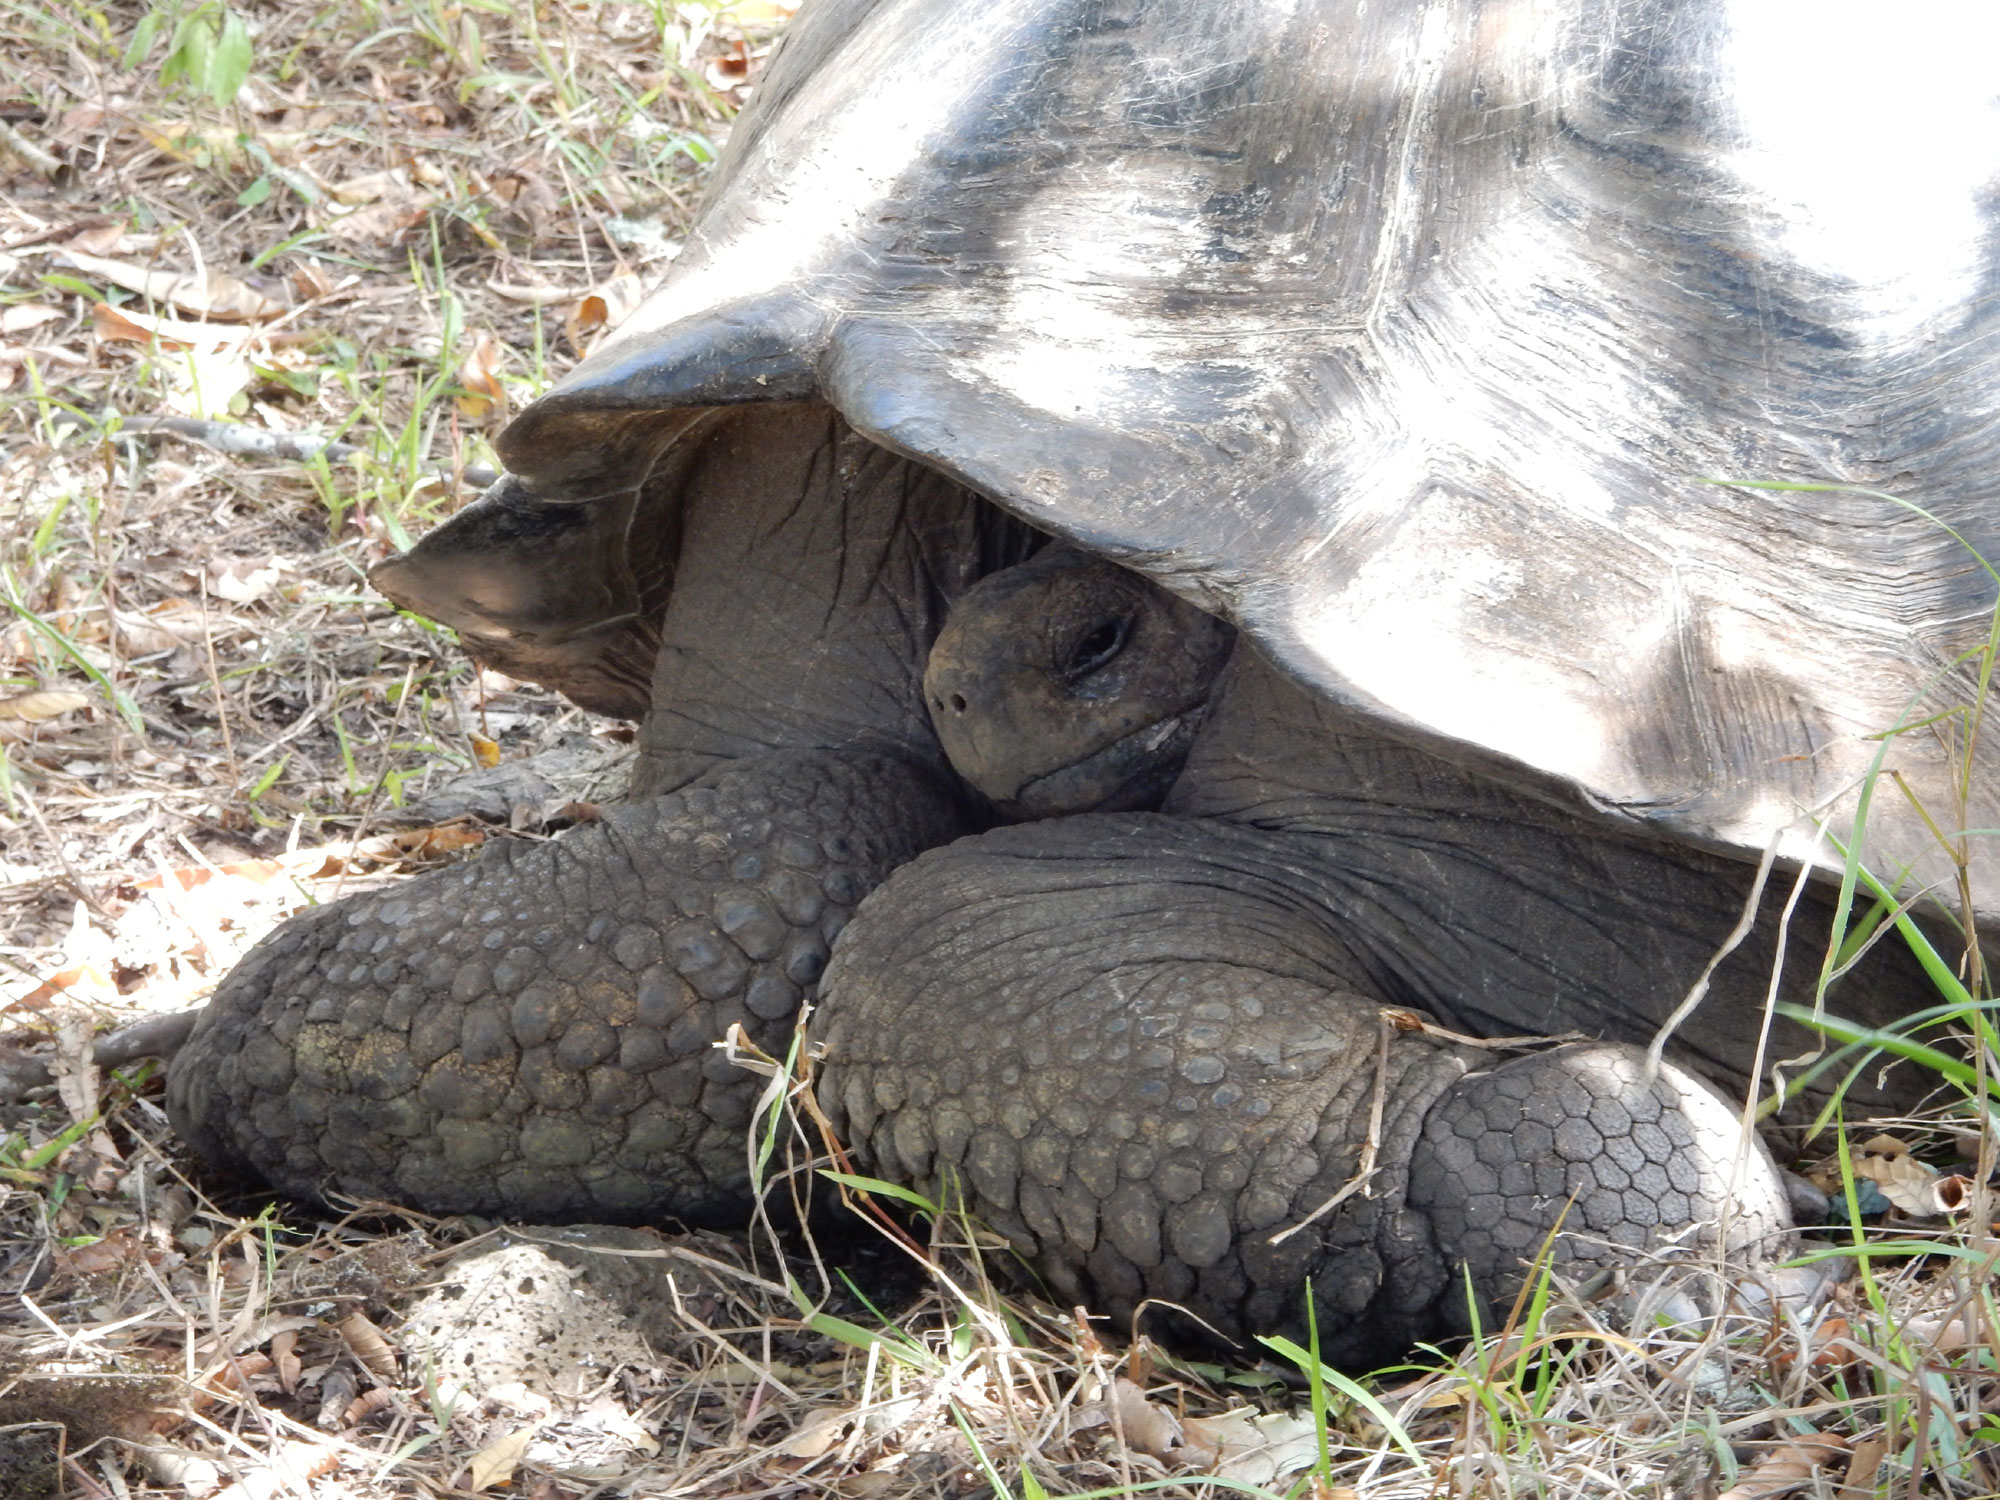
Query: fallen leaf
369	1346
818	1435
365	1405
584	319
380	223
203	145
25	315
244	580
1254	1447
215	295
1903	1180
416	843
1145	1426
1953	1194
479	374
39	708
1830	1345
285	1359
100	239
85	981
310	280
1944	1335
1787	1468
171	623
1868	1456
121	325
75	1071
495	1463
257	871
111	1253
373	187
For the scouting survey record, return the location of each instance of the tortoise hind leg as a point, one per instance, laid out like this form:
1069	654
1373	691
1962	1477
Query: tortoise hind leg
532	1033
1176	1061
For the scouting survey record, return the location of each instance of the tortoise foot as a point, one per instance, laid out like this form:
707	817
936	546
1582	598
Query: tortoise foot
1575	1151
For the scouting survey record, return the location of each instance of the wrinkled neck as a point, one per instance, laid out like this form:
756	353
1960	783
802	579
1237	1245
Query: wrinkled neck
1278	756
815	570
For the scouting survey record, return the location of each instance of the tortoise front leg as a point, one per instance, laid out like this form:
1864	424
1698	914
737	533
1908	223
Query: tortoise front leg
533	1034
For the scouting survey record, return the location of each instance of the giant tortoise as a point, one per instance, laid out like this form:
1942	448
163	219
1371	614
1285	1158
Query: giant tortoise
1408	339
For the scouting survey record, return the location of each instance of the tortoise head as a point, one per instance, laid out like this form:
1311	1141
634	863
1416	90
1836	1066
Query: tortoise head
1069	685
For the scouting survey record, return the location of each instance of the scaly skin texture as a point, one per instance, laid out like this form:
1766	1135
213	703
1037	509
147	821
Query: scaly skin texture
533	1033
1178	1057
1582	1133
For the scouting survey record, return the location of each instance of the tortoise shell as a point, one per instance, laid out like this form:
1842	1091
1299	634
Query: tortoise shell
1413	338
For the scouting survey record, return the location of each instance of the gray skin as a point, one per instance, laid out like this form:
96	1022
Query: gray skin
1180	1032
1066	685
534	1033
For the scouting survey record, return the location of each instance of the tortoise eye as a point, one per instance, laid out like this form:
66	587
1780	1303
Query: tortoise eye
1099	645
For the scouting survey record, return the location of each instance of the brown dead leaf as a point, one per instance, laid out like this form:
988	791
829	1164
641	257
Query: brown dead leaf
202	145
1829	1346
23	316
1255	1447
113	1252
369	1346
86	981
422	843
1789	1467
39	708
285	1359
75	1071
365	1405
310	279
1945	1335
495	1463
162	627
257	871
483	398
99	239
373	187
1145	1426
215	295
584	319
1861	1469
380	223
1903	1180
122	325
820	1432
604	309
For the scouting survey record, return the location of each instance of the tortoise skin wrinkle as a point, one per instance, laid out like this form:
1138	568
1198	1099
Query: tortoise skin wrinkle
1370	363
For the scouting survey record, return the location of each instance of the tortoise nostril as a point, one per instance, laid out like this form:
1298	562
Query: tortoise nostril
958	703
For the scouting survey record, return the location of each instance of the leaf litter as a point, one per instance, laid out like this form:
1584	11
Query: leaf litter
269	281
